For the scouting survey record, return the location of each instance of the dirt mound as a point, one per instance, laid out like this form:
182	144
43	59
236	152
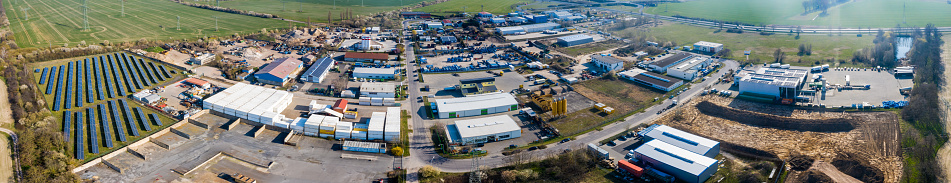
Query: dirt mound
814	176
771	121
855	167
800	162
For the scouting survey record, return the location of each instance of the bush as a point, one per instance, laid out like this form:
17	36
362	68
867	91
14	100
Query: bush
397	151
429	171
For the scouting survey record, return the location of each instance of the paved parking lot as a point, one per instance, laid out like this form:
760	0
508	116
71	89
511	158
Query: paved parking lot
884	87
437	82
313	160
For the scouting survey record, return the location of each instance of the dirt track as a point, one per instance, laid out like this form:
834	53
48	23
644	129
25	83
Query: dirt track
944	154
875	137
6	161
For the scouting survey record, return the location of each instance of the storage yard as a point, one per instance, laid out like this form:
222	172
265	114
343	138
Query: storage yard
89	100
312	160
859	138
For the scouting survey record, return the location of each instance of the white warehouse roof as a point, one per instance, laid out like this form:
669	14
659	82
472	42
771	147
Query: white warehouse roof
377	87
681	139
693	62
368	70
486	126
473	102
576	37
708	44
676	157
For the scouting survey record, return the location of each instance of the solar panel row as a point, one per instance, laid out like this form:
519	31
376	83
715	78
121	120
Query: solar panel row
164	71
51	79
106	78
68	102
118	121
104	126
141	117
93	138
121	77
57	100
154	70
43	75
141	65
67	116
155	119
79	84
131	70
80	151
90	85
96	72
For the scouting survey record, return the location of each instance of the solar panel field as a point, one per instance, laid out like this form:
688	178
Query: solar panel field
90	94
55	22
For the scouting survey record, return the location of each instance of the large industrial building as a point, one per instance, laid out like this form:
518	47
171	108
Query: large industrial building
690	69
378	90
317	72
576	39
279	72
475	105
365	57
681	163
708	46
681	139
777	82
527	28
374	73
661	65
250	102
482	130
651	79
607	63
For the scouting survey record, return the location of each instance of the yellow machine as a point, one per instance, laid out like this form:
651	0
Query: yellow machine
558	106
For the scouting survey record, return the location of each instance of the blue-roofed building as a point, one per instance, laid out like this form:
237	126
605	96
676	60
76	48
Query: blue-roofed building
317	72
681	163
681	139
279	71
517	20
540	19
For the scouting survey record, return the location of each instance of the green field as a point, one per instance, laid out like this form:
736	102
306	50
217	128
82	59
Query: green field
60	21
316	10
539	5
864	13
166	120
762	47
622	8
455	6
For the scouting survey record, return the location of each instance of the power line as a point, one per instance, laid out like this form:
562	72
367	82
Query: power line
179	26
26	15
122	2
216	23
85	16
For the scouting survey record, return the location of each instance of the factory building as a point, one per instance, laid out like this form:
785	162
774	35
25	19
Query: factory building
482	130
477	86
198	83
681	139
279	72
254	103
448	39
650	79
365	57
433	25
317	72
510	30
517	20
708	46
475	105
576	39
202	59
777	82
497	20
527	28
378	90
661	65
690	69
607	63
681	163
374	73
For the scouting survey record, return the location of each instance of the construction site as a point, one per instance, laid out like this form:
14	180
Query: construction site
847	146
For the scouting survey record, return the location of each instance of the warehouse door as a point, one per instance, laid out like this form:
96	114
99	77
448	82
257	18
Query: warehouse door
485	111
452	115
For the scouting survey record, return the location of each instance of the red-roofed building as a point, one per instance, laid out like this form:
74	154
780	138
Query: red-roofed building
365	57
198	82
279	71
340	106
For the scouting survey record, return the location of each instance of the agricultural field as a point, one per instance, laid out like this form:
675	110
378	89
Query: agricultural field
60	22
456	6
824	47
316	10
539	5
622	8
88	95
883	13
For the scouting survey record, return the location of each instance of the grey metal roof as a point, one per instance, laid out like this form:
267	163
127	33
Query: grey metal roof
670	60
657	79
676	157
576	37
320	67
607	59
486	126
681	139
481	101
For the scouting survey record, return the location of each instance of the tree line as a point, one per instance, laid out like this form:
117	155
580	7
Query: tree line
920	143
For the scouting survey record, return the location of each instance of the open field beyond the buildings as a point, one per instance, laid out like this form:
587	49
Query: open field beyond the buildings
316	10
824	47
622	95
539	5
589	47
455	6
59	22
882	13
110	83
863	145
